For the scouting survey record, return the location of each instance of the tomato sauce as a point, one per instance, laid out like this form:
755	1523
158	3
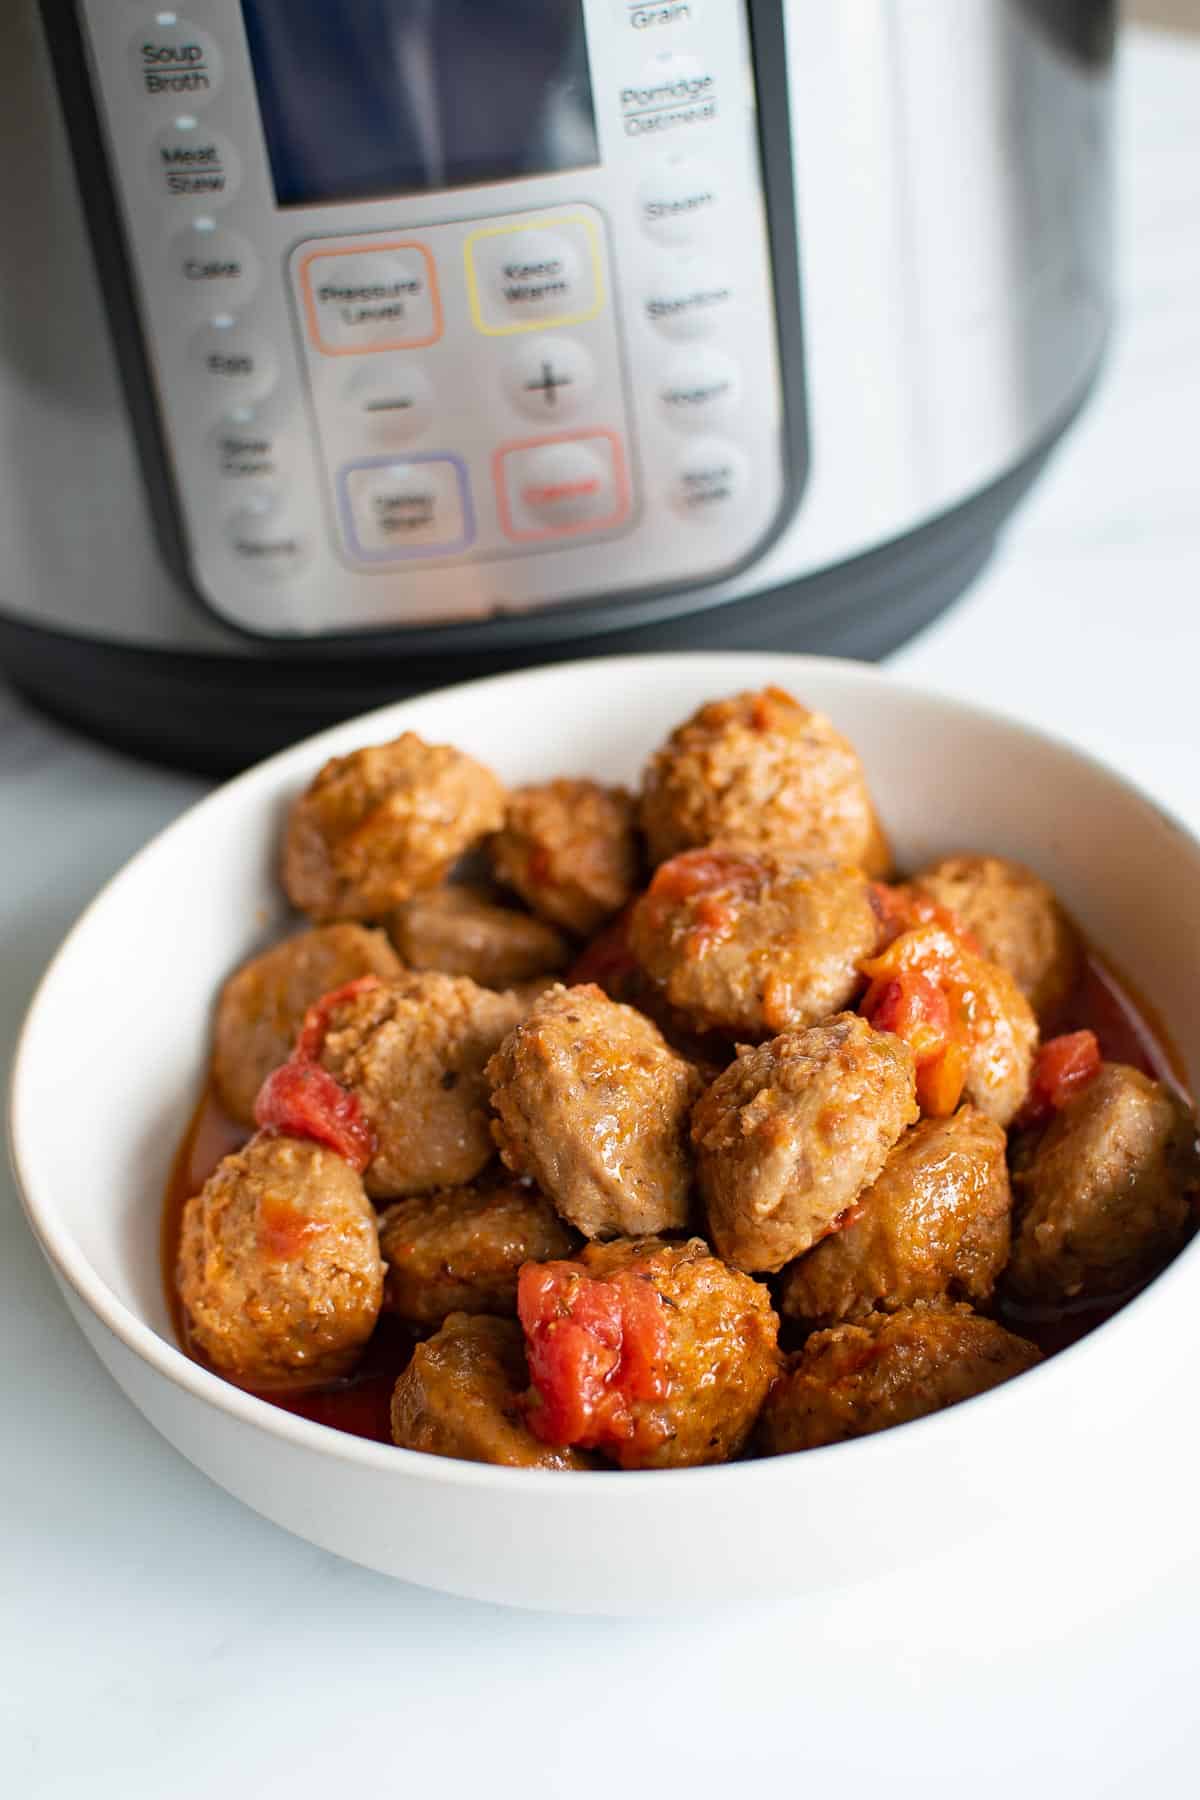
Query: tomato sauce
1127	1029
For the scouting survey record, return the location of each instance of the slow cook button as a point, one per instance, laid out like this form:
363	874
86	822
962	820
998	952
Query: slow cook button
218	267
238	364
173	63
247	450
689	297
677	198
382	299
389	400
415	508
700	388
267	543
710	478
562	486
194	170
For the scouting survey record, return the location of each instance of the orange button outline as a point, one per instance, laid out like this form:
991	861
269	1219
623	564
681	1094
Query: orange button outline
343	250
620	471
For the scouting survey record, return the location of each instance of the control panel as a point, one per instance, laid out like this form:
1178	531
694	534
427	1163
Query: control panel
453	311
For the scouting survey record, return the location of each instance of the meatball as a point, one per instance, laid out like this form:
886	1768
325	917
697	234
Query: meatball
459	1250
461	1395
413	1051
655	1353
751	944
262	1005
568	848
1105	1197
459	931
935	1225
375	827
1015	919
279	1266
594	1105
792	1132
855	1379
762	772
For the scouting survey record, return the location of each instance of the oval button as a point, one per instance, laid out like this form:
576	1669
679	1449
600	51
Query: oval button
238	364
220	268
677	198
193	169
268	544
390	400
700	388
549	378
174	64
709	478
689	297
246	449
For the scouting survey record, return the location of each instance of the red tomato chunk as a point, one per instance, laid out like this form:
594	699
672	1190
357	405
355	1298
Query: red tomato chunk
595	1349
311	1040
1064	1066
300	1100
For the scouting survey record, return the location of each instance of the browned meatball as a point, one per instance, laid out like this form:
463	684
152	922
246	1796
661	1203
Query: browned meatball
413	1050
935	1225
459	1250
696	1357
1015	919
1004	1041
262	1005
594	1105
793	1131
456	929
764	773
279	1267
753	945
855	1379
375	827
462	1395
1106	1196
568	848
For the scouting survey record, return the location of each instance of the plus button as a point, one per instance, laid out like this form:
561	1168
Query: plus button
547	384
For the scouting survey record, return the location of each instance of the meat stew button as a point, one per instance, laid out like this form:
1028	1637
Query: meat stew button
194	170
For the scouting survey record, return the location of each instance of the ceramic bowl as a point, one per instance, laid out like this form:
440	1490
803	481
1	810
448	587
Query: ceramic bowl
112	1058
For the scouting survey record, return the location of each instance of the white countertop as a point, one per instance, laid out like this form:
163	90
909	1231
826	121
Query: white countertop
157	1639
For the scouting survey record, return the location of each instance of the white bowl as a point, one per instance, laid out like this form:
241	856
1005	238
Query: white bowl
112	1057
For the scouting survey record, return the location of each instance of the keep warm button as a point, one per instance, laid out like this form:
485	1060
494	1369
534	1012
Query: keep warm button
381	299
562	485
522	277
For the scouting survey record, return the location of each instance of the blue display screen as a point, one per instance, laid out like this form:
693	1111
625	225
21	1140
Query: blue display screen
362	98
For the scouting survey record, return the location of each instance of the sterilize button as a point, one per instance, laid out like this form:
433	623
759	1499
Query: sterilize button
550	377
416	508
689	297
700	388
194	169
390	400
238	364
710	478
174	65
676	200
219	268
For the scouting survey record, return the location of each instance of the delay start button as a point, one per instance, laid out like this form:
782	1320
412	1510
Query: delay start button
173	63
420	507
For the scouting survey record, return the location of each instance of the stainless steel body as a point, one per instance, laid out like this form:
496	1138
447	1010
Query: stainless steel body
951	190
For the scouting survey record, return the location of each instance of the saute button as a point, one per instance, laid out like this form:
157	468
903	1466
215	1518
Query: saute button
550	377
174	64
238	364
415	508
689	297
700	388
389	399
710	477
194	169
218	267
677	199
267	543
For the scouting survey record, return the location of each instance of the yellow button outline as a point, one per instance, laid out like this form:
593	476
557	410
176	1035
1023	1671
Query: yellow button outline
541	323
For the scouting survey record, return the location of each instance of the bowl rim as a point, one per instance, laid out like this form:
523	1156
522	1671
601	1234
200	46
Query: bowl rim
172	1363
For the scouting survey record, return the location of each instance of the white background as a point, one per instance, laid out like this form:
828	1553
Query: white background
156	1639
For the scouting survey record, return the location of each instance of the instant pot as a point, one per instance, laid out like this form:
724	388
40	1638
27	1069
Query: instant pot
352	346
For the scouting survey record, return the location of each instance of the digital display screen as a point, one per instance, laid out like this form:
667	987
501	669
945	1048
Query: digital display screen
362	98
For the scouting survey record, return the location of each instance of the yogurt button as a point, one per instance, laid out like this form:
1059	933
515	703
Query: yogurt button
709	478
700	388
173	64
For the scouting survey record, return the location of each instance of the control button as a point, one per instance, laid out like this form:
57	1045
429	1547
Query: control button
219	267
390	400
673	92
523	276
710	477
239	364
688	298
677	198
549	377
700	388
642	17
245	449
381	299
173	63
552	487
195	170
267	543
416	508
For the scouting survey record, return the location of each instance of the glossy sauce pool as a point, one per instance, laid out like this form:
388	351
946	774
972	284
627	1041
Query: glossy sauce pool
1128	1032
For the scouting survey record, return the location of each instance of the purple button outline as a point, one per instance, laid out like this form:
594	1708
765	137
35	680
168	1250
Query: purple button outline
449	548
